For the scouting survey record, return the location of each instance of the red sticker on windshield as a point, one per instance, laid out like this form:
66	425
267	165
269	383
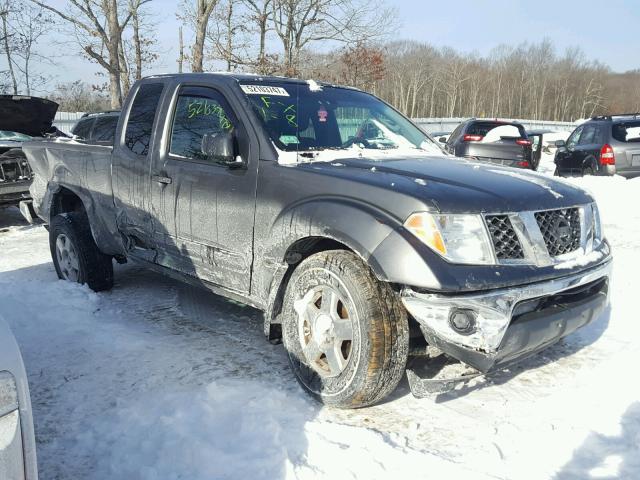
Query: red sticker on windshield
322	114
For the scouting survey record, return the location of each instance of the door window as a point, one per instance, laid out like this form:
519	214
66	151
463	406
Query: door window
573	139
199	111
140	123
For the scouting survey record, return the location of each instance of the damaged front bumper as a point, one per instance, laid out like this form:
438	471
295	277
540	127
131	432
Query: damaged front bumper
512	323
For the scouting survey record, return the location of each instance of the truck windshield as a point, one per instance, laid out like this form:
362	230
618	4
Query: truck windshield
306	117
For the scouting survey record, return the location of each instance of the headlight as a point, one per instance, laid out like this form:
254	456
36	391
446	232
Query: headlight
8	393
458	238
597	226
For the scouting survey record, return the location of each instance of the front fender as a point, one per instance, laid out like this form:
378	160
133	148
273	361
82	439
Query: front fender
371	233
359	226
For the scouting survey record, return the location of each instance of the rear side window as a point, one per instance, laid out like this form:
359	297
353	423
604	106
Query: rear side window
105	129
589	135
626	132
143	112
456	133
199	111
83	128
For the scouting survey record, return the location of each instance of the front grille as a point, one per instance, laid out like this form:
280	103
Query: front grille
14	169
505	241
560	230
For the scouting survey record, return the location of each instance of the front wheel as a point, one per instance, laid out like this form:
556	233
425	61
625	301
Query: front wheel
75	254
345	332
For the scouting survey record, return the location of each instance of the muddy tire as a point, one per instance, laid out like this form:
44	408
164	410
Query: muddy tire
345	332
75	254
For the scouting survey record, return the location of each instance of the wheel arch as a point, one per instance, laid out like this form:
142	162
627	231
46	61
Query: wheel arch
298	251
590	161
65	198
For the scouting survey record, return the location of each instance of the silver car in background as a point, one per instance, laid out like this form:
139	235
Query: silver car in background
17	439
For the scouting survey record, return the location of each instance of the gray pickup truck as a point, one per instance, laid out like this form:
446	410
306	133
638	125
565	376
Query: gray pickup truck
359	238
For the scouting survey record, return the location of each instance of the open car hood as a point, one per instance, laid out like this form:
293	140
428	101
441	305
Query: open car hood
29	115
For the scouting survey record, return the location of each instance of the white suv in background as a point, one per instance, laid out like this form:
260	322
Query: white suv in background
17	439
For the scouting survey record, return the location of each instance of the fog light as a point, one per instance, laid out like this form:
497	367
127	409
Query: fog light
463	321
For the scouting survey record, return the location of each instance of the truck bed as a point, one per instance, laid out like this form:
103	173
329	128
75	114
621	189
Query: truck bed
83	169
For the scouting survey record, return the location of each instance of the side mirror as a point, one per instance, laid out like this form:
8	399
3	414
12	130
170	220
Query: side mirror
560	143
220	147
442	140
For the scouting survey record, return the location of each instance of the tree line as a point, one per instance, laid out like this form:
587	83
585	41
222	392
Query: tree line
340	41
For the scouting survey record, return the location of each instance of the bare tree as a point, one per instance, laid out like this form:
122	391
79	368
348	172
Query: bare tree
98	26
137	50
260	15
181	56
299	23
30	23
79	97
197	16
8	48
227	34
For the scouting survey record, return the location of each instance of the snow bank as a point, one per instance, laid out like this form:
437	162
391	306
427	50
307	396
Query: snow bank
156	380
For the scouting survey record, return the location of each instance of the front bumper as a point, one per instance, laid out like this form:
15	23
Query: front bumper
14	193
511	323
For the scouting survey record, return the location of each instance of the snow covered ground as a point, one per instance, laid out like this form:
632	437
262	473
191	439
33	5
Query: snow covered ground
155	380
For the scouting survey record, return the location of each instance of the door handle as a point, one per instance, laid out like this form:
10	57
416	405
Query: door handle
161	179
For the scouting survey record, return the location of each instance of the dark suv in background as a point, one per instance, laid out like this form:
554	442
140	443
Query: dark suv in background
492	141
604	145
98	128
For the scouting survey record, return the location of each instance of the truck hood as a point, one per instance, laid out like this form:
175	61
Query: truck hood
29	115
454	185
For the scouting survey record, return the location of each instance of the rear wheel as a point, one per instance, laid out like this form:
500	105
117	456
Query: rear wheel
587	171
346	333
75	254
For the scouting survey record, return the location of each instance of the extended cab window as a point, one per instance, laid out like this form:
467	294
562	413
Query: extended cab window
199	111
140	123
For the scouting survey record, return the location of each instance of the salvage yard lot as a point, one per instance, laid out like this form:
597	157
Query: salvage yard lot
155	380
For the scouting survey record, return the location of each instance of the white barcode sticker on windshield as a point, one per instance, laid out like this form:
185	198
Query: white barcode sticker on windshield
264	90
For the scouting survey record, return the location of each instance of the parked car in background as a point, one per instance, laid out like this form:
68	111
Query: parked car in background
98	128
17	439
21	119
603	145
492	141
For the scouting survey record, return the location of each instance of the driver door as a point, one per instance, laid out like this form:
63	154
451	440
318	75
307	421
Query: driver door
565	157
205	208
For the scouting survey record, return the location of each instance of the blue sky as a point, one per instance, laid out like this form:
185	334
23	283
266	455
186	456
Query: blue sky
606	31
